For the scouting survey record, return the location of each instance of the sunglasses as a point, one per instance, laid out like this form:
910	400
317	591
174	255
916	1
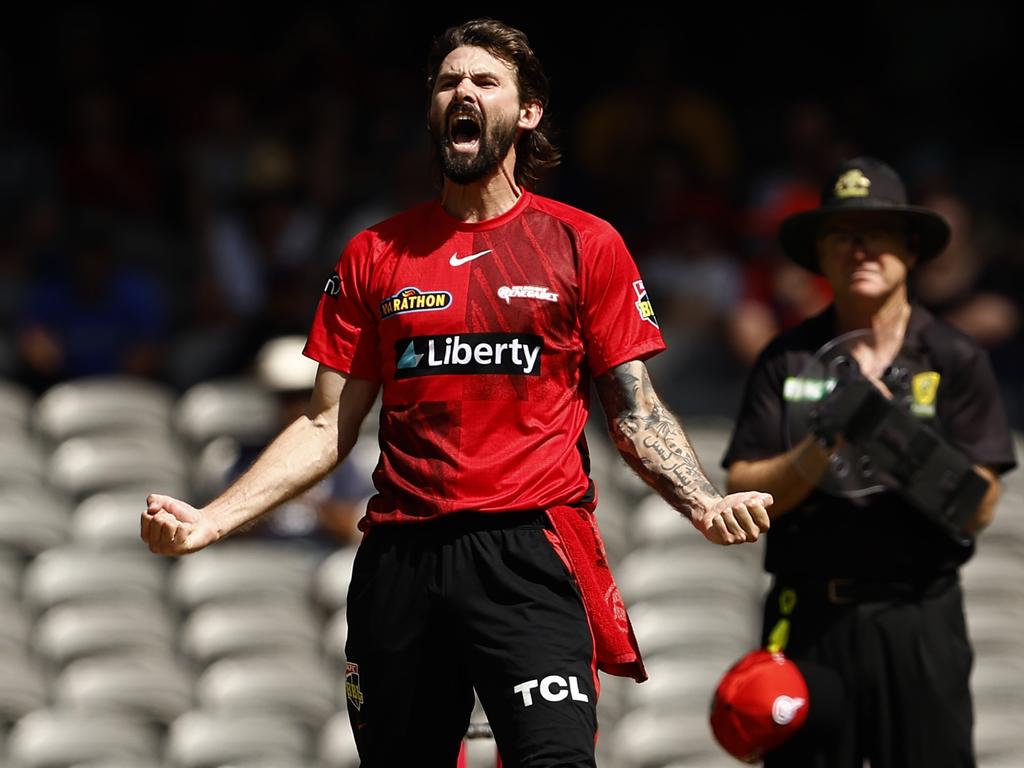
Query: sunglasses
872	238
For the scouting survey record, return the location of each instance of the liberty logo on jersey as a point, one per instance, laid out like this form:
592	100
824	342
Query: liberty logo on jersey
468	353
414	300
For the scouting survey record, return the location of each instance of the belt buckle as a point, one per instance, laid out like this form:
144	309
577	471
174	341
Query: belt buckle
833	589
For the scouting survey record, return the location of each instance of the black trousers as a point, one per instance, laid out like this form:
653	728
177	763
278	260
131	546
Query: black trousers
904	663
473	601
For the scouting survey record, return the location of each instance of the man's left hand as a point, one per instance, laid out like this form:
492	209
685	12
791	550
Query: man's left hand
736	518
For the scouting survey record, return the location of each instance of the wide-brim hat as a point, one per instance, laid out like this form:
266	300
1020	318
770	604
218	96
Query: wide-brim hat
863	184
766	699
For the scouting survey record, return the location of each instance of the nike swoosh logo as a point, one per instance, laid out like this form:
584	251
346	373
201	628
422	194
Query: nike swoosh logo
455	261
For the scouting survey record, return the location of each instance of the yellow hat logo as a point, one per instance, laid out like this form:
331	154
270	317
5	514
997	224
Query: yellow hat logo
853	183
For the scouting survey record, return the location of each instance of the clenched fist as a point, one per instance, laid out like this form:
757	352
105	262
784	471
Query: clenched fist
736	518
173	527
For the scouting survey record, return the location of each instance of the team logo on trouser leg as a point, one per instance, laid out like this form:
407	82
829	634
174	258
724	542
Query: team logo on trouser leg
352	690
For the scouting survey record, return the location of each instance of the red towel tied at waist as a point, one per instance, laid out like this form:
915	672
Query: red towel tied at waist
617	650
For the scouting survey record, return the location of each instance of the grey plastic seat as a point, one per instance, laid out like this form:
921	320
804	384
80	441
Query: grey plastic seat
22	686
286	686
680	685
657	737
203	739
82	466
10	575
337	746
16	404
700	576
115	763
334	636
715	634
104	405
22	459
74	574
330	589
153	687
14	626
238	408
55	739
217	631
110	520
32	519
75	631
243	571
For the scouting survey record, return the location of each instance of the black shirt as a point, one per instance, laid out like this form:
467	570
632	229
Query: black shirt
877	536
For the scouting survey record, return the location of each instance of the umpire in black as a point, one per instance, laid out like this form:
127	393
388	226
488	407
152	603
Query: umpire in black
868	584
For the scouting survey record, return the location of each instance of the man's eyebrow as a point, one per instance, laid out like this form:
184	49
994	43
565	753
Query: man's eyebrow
451	74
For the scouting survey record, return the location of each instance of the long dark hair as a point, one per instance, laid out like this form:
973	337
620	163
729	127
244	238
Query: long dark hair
536	152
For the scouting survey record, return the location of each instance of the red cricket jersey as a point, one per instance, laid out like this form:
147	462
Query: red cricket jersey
485	337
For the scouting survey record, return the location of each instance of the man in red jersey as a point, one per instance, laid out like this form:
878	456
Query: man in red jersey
482	316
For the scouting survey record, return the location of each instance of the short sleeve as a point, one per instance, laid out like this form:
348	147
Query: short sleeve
971	412
759	431
344	334
617	318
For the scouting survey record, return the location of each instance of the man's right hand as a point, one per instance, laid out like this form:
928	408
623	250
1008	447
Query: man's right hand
172	527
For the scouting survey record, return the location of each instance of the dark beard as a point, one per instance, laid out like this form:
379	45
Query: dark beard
495	142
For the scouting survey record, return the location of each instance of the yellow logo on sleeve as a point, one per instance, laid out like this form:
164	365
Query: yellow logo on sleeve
924	388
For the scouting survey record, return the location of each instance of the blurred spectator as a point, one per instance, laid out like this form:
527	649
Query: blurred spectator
979	290
325	516
91	315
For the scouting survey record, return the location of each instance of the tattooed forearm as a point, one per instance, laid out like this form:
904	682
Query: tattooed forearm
650	439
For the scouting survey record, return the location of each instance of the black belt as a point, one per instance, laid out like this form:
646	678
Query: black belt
845	591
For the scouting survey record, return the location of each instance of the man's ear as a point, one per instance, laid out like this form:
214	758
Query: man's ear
530	113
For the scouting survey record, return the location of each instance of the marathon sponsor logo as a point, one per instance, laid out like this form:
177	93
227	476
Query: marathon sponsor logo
643	304
414	300
515	354
551	688
509	292
333	285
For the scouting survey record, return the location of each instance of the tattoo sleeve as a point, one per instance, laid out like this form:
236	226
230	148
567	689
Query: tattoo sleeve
651	440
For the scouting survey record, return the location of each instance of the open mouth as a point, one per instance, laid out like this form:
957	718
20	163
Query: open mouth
464	130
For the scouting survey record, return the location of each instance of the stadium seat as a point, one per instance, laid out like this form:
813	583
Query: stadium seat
14	626
995	577
74	574
707	575
213	464
118	764
56	739
69	632
334	636
153	688
22	459
32	519
337	747
22	686
645	738
997	737
237	408
15	408
995	629
330	587
10	575
82	466
289	686
680	685
202	739
998	683
104	405
250	571
110	520
213	631
709	633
